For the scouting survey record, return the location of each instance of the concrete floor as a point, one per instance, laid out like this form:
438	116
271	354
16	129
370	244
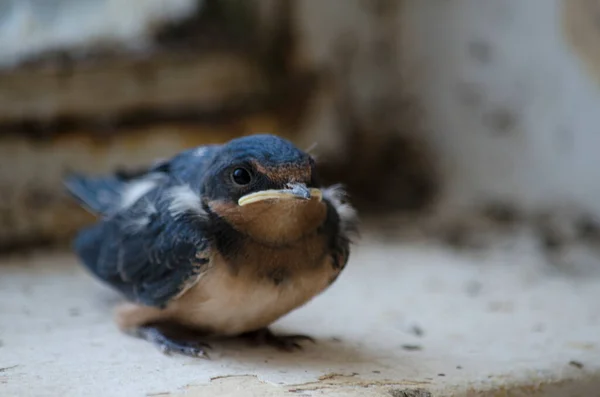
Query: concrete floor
403	320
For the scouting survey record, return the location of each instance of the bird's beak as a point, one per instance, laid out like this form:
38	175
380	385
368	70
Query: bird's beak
297	191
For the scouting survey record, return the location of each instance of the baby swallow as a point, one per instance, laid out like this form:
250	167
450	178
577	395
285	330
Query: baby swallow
222	239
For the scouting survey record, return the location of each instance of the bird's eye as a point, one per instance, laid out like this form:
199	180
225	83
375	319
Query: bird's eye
241	176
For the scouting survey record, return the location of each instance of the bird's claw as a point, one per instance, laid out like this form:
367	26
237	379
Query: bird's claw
281	342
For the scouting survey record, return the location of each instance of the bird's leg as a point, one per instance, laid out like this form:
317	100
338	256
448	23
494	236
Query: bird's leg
264	336
135	320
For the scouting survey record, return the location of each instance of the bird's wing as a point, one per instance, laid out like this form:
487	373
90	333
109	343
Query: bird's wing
150	243
147	252
108	194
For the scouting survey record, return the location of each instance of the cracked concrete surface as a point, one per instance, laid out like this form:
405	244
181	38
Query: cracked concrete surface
403	320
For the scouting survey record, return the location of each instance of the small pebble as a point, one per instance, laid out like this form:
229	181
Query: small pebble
417	331
576	364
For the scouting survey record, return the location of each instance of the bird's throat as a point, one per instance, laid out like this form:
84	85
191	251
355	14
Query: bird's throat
273	222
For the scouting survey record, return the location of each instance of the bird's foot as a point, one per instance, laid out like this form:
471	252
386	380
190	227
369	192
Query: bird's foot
264	336
168	345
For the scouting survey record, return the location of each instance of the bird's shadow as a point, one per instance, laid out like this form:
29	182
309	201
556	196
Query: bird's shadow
328	354
325	355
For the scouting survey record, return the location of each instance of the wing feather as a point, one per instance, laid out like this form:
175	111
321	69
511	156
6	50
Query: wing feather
144	250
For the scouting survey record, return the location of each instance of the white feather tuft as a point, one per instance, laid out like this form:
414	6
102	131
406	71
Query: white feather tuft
184	200
336	194
201	151
137	189
135	224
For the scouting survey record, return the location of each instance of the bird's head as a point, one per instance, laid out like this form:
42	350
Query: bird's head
266	188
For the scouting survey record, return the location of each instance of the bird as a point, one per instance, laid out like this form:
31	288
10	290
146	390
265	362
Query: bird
222	239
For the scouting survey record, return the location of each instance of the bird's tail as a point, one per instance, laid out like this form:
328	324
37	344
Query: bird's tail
98	194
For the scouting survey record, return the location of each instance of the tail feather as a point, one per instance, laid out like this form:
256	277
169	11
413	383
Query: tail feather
98	194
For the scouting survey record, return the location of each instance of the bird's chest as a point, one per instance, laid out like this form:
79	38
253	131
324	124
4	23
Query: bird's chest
233	298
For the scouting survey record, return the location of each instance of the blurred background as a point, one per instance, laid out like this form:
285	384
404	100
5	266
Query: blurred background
451	119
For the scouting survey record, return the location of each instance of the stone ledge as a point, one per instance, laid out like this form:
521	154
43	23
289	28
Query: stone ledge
403	320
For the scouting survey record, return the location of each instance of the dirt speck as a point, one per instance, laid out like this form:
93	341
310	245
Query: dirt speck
459	367
335	375
417	331
412	347
480	51
473	288
7	368
441	374
409	393
376	372
551	240
588	228
469	94
501	212
460	236
501	120
576	364
74	312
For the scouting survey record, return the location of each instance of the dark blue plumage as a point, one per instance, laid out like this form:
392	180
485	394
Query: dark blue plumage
99	195
151	262
143	250
266	149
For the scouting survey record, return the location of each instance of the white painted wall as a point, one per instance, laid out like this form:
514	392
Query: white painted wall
488	62
30	26
508	105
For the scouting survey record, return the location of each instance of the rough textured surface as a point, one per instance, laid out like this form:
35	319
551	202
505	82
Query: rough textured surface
409	319
119	87
509	91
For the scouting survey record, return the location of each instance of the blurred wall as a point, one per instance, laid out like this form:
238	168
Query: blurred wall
507	91
512	98
415	104
95	85
31	27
